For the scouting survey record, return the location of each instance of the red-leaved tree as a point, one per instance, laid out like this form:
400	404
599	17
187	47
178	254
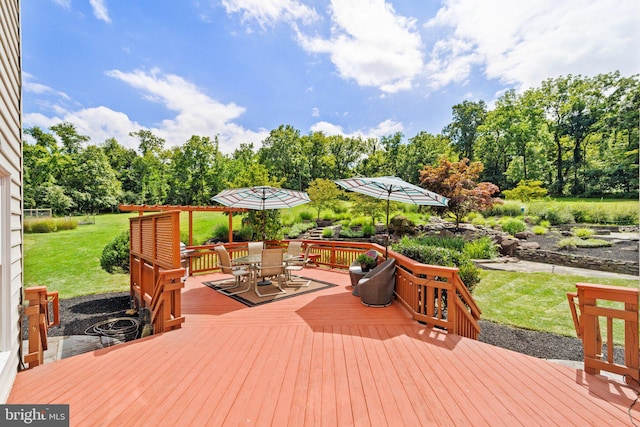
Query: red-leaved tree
457	182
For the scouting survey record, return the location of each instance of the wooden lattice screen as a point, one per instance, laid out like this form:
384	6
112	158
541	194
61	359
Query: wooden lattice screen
156	274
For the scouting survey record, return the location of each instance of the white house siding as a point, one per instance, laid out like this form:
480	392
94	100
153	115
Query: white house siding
10	193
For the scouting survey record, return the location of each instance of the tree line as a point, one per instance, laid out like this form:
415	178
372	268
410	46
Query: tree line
576	135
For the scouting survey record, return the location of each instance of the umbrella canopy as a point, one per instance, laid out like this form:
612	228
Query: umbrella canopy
393	188
261	198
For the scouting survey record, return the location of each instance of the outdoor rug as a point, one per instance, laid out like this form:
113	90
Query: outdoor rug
250	298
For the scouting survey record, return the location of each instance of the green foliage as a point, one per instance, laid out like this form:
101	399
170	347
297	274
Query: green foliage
327	233
433	255
513	225
582	232
115	255
323	193
368	230
359	221
482	248
568	244
526	190
571	243
350	233
365	259
456	243
508	208
305	216
49	225
539	230
555	213
298	228
221	232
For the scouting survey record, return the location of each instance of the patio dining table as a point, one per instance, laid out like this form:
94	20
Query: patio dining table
254	260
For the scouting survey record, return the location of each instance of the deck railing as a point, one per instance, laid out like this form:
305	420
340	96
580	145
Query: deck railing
586	313
40	318
432	294
155	270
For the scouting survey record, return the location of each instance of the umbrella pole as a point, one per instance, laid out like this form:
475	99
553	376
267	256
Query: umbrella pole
386	246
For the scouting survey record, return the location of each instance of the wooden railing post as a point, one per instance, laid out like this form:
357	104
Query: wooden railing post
588	327
37	311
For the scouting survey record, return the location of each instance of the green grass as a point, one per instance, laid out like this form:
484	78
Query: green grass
536	301
69	261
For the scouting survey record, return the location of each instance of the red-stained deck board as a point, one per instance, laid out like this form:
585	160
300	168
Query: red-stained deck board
317	359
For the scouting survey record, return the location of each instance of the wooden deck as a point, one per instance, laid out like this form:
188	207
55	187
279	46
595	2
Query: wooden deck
317	359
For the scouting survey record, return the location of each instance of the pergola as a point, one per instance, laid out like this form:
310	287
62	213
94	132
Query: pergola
160	208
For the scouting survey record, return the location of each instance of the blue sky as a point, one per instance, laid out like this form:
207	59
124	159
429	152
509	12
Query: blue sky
240	68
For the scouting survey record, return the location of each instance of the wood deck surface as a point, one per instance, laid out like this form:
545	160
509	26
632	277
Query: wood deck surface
317	359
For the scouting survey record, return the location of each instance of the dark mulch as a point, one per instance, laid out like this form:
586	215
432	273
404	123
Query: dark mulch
79	314
622	250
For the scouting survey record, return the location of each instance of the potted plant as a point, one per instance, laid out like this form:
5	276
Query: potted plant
365	261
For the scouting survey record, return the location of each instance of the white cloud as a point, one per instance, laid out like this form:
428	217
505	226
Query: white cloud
270	12
28	85
315	112
100	10
523	43
194	113
197	113
64	3
371	44
385	128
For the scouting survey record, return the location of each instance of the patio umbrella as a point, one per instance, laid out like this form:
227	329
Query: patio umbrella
393	188
261	198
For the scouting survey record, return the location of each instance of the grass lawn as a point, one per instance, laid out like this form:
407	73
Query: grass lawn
69	261
536	301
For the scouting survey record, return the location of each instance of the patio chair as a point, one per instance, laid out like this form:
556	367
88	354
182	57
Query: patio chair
271	266
239	273
255	248
294	249
297	264
377	286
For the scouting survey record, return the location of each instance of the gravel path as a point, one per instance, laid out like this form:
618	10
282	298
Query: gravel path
78	314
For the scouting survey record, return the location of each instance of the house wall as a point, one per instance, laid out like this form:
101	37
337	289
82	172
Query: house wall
11	248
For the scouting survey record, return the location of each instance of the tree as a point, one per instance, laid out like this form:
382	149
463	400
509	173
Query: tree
368	206
282	153
462	131
323	194
457	182
71	141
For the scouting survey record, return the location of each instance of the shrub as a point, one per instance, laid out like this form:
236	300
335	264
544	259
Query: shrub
568	244
468	272
368	230
246	233
482	248
359	220
349	233
221	232
327	233
305	215
628	217
455	243
66	224
539	230
545	224
513	226
552	212
508	208
593	243
327	216
299	228
115	255
600	215
42	226
526	190
582	232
